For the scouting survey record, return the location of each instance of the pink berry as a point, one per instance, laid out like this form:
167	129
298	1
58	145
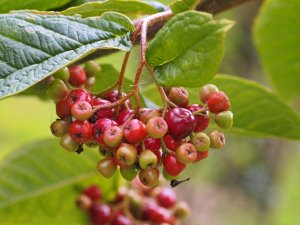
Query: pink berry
93	192
218	102
166	198
172	165
80	131
134	131
100	126
202	121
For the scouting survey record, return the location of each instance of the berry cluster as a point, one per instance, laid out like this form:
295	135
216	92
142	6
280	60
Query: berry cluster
137	142
136	205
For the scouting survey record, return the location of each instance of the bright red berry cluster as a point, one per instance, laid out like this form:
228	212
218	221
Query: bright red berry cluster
138	142
137	205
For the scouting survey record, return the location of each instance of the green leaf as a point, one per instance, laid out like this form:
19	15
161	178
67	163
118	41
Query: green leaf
131	8
257	111
8	5
33	45
179	6
277	36
39	184
188	50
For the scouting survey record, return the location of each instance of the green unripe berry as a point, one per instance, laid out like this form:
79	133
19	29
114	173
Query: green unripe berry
67	142
167	176
57	90
147	159
59	128
217	139
62	74
92	68
107	167
128	172
201	141
224	119
206	91
182	210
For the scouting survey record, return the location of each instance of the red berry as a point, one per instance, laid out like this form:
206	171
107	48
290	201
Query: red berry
78	95
112	96
186	153
152	143
202	121
93	192
108	113
77	76
113	136
166	198
171	143
218	102
172	165
181	122
206	91
157	127
62	109
134	131
120	219
124	116
100	214
80	131
81	110
100	126
201	155
161	215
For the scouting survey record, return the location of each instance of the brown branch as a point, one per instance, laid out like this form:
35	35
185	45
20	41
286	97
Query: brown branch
210	6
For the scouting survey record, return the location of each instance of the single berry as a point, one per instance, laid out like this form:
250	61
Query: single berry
59	128
172	165
217	139
149	177
147	159
80	131
67	142
179	96
62	74
224	119
128	172
157	127
62	109
134	131
181	122
100	126
81	110
124	116
120	219
90	82
201	141
84	202
161	215
152	144
57	90
218	102
113	136
206	91
100	214
108	113
126	154
112	96
202	120
93	192
167	176
201	155
107	167
78	95
186	153
171	143
182	210
166	198
77	76
146	114
92	68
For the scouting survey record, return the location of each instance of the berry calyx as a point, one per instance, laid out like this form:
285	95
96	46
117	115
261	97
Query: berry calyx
186	153
68	143
224	119
206	91
59	128
147	159
156	127
172	165
57	90
166	198
93	192
77	76
126	154
81	110
218	102
113	136
179	96
80	131
217	139
134	131
149	177
201	141
181	122
107	167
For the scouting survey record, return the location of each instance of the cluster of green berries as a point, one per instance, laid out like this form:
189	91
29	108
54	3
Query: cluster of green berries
132	206
137	143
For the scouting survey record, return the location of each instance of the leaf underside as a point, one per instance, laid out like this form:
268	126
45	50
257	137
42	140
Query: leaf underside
33	45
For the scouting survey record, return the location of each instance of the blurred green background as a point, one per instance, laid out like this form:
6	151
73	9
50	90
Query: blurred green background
250	182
